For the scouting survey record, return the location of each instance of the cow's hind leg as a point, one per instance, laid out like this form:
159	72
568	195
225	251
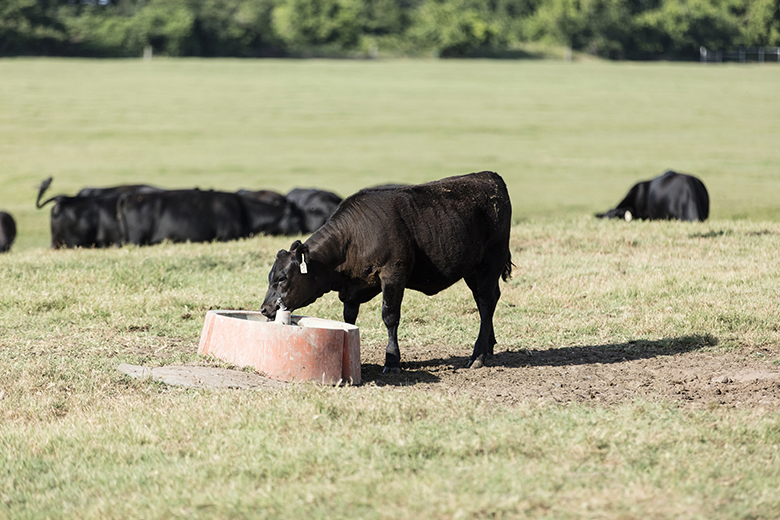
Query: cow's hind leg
392	295
484	287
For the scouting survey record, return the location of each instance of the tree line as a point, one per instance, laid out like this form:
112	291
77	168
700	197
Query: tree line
614	29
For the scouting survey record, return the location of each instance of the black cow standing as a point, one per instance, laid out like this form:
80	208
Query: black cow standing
424	237
88	219
7	231
316	205
670	196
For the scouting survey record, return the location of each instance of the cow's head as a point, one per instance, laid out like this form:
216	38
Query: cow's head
291	282
623	213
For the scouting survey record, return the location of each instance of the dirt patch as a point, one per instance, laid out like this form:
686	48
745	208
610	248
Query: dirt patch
200	377
692	371
687	370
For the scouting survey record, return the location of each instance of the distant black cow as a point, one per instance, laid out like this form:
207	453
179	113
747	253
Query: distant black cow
670	196
181	216
268	196
317	206
85	220
269	215
202	216
118	190
424	237
7	231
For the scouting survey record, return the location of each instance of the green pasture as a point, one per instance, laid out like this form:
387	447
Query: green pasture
569	138
78	439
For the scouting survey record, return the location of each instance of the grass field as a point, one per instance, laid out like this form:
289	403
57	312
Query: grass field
570	139
78	439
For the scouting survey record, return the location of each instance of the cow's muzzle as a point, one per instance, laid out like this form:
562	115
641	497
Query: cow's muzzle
269	309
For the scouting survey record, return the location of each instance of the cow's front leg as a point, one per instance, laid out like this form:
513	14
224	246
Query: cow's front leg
351	312
391	315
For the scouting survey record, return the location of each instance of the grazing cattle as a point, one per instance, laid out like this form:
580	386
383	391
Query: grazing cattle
424	237
85	220
267	215
7	231
670	196
181	216
316	205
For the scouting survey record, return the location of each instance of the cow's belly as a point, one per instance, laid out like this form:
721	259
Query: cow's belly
431	283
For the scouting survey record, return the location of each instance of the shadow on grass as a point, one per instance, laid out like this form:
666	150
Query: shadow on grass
413	373
416	372
604	354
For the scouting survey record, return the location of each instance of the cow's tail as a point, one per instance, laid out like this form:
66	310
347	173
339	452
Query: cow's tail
41	190
506	274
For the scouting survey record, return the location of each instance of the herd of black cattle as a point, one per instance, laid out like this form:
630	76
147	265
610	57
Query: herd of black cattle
146	215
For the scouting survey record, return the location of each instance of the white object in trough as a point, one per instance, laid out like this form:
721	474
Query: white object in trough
284	317
308	349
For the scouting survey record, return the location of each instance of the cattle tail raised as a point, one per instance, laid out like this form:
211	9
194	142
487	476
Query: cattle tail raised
424	237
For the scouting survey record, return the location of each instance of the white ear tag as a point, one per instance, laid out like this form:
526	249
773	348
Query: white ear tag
304	270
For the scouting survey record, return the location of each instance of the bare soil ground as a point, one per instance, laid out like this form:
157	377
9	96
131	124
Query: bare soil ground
690	371
675	371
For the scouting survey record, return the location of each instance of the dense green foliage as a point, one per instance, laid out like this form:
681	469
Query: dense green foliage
609	28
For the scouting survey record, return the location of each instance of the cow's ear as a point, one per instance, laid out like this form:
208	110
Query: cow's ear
280	253
302	253
295	246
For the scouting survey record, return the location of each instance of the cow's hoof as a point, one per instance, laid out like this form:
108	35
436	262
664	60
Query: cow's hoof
391	370
476	363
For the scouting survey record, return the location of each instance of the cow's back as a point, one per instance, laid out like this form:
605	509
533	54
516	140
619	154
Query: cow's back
678	196
440	229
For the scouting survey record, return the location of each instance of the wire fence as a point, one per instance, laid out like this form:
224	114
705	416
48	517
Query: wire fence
741	55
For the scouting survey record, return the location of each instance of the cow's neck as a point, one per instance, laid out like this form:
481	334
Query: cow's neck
327	250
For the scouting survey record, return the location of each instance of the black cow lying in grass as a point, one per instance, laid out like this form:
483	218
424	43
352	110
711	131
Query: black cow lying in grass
315	205
88	219
424	237
202	216
7	231
670	196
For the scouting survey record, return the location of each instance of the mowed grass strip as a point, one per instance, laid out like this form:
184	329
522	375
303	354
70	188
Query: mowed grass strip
569	138
78	439
370	453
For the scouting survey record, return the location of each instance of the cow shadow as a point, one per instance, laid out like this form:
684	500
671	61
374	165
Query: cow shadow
413	373
603	354
416	372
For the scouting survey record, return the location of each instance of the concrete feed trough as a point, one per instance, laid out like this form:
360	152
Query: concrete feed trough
309	349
